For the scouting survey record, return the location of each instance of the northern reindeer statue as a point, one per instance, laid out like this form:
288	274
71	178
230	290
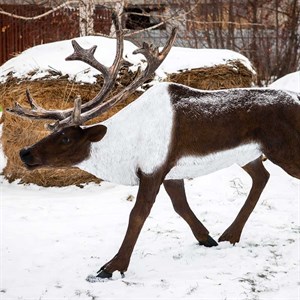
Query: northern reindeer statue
170	133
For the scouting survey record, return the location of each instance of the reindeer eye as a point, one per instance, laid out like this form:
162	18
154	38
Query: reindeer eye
65	140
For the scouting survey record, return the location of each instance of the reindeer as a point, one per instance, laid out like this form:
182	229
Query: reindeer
170	133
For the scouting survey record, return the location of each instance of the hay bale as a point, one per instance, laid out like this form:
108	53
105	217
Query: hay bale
230	75
20	132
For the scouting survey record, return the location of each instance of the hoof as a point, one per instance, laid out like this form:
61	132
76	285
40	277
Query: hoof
210	242
104	274
228	238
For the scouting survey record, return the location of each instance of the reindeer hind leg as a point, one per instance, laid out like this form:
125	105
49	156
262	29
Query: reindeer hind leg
260	177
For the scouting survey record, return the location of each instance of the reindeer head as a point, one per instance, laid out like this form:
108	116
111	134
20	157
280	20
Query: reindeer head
65	148
69	144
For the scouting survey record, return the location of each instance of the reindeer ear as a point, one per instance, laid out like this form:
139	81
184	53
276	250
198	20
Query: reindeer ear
95	133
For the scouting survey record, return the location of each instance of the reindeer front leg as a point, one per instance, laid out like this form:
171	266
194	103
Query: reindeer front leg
148	189
176	192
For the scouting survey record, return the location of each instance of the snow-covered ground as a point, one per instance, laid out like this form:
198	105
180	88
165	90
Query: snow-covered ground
53	238
289	82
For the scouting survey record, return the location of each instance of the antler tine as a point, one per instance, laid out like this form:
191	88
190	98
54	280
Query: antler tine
73	119
87	56
152	54
76	118
36	111
30	100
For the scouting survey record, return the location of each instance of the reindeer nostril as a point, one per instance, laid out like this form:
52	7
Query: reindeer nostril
25	154
29	159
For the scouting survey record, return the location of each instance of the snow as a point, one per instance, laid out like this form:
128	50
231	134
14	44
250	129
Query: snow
51	57
290	82
40	61
2	156
181	58
52	239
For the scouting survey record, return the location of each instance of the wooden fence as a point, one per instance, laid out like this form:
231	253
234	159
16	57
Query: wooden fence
17	35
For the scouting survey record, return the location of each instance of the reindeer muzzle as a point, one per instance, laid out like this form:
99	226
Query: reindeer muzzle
28	159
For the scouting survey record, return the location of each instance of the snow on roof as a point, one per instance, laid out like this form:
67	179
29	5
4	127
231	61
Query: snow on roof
44	60
289	82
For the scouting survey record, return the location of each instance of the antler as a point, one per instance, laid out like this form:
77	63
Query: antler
109	74
87	56
154	59
82	113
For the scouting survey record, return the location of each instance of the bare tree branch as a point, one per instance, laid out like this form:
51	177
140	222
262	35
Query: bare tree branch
42	15
189	20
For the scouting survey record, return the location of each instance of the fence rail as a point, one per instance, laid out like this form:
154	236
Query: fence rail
17	35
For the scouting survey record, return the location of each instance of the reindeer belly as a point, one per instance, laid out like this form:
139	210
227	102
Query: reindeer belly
195	166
